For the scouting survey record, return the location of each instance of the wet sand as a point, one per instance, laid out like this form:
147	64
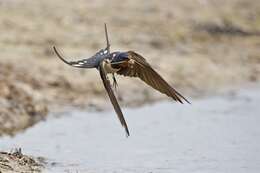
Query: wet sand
16	161
215	134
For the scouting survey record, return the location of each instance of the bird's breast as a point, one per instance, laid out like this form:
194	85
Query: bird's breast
109	69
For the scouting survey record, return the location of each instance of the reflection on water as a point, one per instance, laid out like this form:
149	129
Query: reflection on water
219	134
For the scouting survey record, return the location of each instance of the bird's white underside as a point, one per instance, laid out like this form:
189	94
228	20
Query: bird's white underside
108	68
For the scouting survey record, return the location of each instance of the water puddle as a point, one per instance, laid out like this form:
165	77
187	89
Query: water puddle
219	134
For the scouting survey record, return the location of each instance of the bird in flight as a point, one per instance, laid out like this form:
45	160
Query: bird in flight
129	64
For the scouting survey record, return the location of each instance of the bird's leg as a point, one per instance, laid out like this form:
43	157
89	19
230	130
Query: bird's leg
115	85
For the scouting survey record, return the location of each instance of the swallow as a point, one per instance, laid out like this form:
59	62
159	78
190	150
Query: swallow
129	64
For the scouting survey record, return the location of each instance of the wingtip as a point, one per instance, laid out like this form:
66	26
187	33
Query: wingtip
59	56
55	49
181	98
127	133
186	101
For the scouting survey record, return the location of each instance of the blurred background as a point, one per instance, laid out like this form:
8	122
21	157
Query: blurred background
201	47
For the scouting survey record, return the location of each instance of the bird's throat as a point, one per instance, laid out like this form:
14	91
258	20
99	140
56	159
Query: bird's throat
108	68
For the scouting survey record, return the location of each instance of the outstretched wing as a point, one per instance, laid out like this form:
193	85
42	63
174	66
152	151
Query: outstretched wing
84	63
112	97
137	66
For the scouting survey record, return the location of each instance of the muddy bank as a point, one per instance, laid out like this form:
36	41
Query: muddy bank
18	162
19	106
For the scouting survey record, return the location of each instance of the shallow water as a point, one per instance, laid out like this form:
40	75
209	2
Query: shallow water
217	134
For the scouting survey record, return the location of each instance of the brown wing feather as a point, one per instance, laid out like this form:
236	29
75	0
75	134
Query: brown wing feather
145	72
112	98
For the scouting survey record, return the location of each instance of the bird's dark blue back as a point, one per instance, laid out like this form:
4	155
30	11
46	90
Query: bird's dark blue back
95	60
118	56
